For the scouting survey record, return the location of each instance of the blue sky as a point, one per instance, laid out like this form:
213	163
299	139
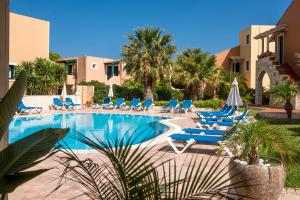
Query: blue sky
99	27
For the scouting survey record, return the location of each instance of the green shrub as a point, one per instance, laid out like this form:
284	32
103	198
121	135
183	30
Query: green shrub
177	94
161	103
211	103
128	93
165	93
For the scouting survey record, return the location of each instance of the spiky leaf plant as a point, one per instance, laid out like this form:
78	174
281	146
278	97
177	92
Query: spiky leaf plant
127	173
17	158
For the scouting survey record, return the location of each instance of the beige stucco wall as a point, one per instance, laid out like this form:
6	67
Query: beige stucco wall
223	57
292	36
86	73
249	52
246	52
29	38
95	74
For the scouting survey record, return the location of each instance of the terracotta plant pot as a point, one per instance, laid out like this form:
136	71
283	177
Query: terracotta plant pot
88	104
266	183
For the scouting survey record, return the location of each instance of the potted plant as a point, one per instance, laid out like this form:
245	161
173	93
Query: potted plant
262	178
286	91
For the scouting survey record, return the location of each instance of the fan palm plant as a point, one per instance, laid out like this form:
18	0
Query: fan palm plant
256	136
198	68
17	158
286	91
139	173
148	57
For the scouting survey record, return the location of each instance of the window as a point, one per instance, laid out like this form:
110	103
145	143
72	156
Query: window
70	69
116	70
112	71
247	65
94	66
236	67
247	39
280	49
12	72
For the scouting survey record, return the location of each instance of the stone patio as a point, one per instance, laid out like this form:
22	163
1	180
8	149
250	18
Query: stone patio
41	186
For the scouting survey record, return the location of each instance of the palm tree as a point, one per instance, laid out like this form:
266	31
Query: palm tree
148	57
225	81
140	174
44	76
198	67
286	91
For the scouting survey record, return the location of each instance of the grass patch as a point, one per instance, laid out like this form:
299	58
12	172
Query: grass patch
292	129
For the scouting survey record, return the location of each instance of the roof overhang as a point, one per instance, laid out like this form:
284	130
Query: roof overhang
273	31
236	58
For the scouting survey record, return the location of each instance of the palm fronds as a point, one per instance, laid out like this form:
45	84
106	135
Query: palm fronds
123	172
27	152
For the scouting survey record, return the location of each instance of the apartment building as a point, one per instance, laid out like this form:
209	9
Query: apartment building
89	68
283	61
242	58
28	39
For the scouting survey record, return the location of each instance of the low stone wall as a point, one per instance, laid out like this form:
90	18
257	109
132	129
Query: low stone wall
45	100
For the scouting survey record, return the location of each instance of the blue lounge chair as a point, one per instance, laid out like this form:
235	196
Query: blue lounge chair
186	106
191	139
23	109
117	104
213	125
146	105
223	110
228	119
70	102
58	105
135	102
204	131
173	103
106	102
230	110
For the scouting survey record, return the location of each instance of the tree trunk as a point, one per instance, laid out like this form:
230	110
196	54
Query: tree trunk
201	89
253	157
289	109
148	88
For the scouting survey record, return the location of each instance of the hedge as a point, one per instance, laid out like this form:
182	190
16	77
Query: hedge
211	103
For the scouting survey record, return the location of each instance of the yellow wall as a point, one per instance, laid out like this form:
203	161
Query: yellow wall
249	52
246	52
29	38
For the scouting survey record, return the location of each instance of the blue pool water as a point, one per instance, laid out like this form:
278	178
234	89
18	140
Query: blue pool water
101	126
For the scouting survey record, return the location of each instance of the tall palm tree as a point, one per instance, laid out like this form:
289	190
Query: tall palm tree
198	67
148	57
286	91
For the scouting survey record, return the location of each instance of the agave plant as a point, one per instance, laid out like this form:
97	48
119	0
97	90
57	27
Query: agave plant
130	173
17	158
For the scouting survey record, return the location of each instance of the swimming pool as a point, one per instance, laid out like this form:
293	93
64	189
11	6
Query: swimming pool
101	126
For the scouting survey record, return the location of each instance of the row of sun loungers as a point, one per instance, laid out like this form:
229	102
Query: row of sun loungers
212	127
135	104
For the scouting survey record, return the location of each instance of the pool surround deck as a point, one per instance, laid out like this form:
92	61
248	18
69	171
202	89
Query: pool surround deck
41	186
